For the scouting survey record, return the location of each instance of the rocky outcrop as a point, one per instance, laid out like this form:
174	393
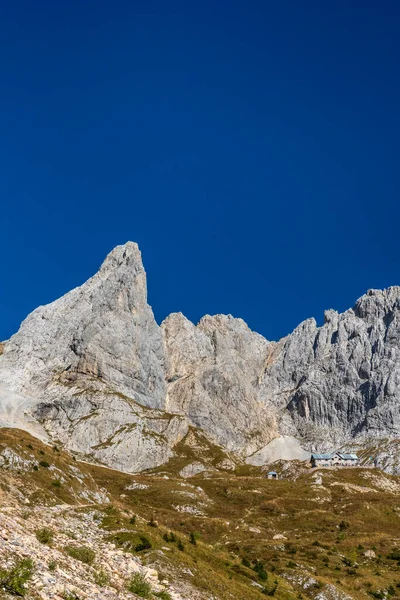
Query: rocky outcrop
89	368
213	375
103	329
94	371
341	381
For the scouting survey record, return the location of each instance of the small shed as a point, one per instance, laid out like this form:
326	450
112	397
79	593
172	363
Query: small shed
272	475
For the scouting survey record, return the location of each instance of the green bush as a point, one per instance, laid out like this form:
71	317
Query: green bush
193	537
82	553
56	483
52	566
139	586
101	578
68	595
394	554
270	591
145	544
13	580
44	464
44	535
164	595
259	568
132	520
181	547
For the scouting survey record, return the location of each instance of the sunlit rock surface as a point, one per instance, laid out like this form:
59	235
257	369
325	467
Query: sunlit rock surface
94	371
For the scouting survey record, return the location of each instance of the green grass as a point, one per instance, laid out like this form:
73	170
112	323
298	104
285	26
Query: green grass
13	580
164	595
44	535
328	528
101	578
82	553
139	586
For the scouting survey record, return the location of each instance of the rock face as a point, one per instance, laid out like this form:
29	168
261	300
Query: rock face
341	381
94	371
103	330
213	378
90	369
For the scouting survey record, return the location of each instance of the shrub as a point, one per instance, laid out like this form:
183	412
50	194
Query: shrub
164	595
270	591
180	546
44	535
259	568
152	522
132	520
139	586
145	544
391	590
70	595
52	566
343	525
394	554
193	538
246	562
44	464
101	578
35	468
379	595
13	580
82	553
169	537
56	483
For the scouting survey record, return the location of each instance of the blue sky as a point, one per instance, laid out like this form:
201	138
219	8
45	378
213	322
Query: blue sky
250	148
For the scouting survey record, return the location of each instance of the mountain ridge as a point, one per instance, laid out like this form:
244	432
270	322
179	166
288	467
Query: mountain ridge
94	371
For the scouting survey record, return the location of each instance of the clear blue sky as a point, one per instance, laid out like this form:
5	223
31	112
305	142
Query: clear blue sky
251	149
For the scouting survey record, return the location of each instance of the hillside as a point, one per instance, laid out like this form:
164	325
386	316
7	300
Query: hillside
331	534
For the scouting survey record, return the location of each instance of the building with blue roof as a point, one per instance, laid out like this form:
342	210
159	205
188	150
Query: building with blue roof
335	459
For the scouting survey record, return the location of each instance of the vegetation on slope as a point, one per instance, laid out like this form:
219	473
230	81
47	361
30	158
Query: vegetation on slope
232	535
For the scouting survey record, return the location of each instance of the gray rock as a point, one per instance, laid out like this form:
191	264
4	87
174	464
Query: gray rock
94	371
89	368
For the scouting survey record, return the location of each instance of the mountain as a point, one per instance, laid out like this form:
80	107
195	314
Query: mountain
94	372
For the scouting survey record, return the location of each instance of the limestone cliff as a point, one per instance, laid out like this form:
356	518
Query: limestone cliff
94	371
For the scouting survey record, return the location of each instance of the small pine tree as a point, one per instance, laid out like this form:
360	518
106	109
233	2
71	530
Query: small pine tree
193	538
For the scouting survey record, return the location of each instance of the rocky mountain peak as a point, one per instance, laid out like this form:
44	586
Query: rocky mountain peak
103	329
96	372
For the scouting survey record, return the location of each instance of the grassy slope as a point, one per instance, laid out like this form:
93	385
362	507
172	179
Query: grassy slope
327	527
